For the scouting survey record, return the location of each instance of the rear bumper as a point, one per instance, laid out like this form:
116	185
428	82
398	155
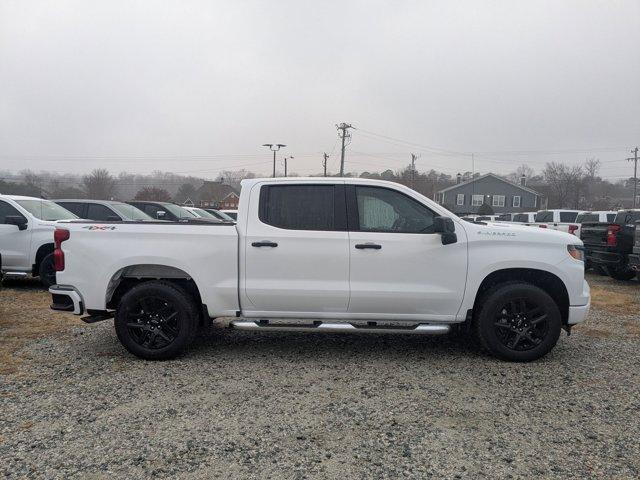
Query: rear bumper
611	259
66	299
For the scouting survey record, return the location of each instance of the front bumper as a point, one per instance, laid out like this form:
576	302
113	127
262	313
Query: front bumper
66	299
578	314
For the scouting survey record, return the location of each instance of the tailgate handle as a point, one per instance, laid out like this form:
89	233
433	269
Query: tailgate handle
373	246
264	243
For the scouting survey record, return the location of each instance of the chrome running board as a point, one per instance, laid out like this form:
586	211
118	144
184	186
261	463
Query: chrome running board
325	327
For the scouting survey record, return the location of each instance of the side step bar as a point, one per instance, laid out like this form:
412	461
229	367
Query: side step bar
370	327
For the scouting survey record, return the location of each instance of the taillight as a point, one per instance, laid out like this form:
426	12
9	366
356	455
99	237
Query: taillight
59	236
573	229
542	225
612	240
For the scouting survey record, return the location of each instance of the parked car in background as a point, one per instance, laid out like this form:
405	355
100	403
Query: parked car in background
607	216
163	210
559	219
104	210
326	255
220	215
634	258
524	217
201	213
231	213
609	244
505	217
26	236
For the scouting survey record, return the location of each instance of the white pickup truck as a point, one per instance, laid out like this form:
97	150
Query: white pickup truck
26	236
325	255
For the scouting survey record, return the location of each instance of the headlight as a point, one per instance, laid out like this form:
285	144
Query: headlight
576	251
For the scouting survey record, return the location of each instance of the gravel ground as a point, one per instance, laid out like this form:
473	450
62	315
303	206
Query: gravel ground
265	405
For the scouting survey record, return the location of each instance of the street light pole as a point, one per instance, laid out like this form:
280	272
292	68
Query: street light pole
285	164
274	148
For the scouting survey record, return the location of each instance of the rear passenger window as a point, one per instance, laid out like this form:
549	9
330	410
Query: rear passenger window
101	213
300	207
544	216
611	217
568	216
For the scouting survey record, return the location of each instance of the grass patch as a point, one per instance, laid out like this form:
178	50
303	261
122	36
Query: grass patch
25	316
613	302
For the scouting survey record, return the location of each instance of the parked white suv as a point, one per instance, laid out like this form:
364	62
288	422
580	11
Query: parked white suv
325	255
26	236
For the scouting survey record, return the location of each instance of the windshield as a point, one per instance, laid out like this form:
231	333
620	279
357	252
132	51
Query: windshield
46	210
203	213
129	211
220	215
179	211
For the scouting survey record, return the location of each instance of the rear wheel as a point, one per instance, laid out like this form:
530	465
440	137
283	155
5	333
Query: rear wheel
518	322
156	320
47	271
621	273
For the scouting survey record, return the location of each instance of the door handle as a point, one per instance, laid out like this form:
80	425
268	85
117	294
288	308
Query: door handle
264	243
372	246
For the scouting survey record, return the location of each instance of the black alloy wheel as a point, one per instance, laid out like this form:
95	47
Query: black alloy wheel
517	321
153	323
521	324
156	320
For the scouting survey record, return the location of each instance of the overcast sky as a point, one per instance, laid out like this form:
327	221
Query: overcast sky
197	87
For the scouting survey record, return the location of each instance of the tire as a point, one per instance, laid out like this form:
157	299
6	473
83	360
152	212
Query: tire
621	273
518	322
156	320
47	271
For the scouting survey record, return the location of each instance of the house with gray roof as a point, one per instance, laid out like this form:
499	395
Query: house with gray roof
465	198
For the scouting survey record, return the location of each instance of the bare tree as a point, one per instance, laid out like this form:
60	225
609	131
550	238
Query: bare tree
186	191
566	184
99	184
592	167
153	194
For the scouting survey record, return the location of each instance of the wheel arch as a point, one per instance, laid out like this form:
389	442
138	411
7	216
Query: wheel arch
127	277
547	281
42	252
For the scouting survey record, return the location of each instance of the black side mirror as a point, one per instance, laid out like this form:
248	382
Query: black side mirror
446	228
17	220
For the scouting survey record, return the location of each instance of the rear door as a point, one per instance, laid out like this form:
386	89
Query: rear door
399	268
296	250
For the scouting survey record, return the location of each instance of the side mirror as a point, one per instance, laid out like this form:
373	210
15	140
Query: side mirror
160	214
17	220
446	228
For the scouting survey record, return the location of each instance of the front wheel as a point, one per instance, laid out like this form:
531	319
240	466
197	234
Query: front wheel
156	320
518	322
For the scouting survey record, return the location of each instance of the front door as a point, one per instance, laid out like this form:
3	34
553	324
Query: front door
296	250
399	267
14	243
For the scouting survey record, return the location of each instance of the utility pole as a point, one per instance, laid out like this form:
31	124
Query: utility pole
344	128
635	175
285	164
324	163
274	148
414	157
